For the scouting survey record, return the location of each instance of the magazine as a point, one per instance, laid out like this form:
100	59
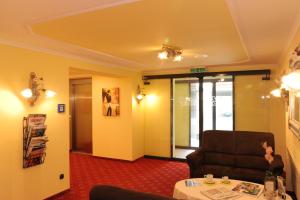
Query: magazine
220	193
248	188
34	140
36	119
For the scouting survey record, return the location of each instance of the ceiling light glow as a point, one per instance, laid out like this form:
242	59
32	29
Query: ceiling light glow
163	55
177	58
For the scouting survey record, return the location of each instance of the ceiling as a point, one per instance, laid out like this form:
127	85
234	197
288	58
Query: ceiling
129	33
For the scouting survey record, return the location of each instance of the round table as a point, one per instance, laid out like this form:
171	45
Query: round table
181	191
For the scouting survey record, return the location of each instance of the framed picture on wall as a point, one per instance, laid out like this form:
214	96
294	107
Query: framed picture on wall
294	113
111	101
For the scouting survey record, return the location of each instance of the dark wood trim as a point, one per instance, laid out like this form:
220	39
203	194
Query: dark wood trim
165	158
200	110
265	72
205	80
58	194
185	147
214	105
190	110
233	103
172	117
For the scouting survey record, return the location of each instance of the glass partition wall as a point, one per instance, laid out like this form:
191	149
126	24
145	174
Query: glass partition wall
179	108
209	97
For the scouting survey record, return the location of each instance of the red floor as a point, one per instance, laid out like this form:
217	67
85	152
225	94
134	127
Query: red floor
146	175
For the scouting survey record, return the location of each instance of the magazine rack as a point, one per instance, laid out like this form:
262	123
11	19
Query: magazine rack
34	140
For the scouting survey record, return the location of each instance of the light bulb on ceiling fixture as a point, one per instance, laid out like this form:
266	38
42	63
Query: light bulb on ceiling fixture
27	93
177	58
50	93
163	55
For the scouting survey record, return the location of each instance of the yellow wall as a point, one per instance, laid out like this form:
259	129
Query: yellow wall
138	134
119	137
112	136
157	118
41	181
292	143
251	111
181	114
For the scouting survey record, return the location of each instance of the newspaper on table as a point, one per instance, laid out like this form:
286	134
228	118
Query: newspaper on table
248	188
220	193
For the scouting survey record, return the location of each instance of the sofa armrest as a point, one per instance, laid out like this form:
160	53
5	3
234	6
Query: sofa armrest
277	165
195	159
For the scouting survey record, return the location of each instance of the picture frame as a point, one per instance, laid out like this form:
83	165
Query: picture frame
294	113
111	102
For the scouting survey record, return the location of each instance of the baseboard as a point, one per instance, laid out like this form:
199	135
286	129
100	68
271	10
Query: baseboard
57	195
165	158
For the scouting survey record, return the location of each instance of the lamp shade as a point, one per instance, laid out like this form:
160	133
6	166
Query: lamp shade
292	80
50	93
276	92
27	93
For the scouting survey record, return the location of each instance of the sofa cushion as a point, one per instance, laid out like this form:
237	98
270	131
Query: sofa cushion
219	141
254	162
217	170
252	175
212	158
250	143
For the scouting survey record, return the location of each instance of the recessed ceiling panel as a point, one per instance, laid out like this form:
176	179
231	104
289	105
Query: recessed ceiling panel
136	32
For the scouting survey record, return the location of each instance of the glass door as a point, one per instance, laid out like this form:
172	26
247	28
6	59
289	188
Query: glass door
218	103
199	104
185	116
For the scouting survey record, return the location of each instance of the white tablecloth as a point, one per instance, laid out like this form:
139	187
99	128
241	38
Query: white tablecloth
181	191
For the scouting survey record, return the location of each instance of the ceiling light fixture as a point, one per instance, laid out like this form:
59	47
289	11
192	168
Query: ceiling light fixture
177	58
163	55
170	52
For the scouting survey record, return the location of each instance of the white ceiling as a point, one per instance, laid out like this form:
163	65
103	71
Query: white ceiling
266	27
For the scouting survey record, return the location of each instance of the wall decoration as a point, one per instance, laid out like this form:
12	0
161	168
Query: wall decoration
111	101
294	113
294	62
34	140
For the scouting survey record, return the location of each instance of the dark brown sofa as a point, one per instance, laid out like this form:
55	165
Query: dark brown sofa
237	154
105	192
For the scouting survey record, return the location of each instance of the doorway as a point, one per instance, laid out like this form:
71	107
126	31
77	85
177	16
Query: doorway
199	104
81	115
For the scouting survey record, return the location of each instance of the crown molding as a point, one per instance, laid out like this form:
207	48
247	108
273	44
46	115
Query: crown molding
235	20
90	58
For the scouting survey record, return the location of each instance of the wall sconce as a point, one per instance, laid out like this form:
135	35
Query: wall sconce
139	94
36	86
282	91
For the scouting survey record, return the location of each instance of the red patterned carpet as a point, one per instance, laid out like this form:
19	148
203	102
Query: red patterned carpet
146	175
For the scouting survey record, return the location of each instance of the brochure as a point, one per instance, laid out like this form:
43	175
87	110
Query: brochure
220	193
34	139
248	188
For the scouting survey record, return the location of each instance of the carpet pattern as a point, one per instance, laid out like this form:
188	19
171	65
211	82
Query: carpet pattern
145	175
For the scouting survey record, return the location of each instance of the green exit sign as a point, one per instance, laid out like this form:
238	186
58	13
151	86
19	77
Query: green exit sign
198	70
